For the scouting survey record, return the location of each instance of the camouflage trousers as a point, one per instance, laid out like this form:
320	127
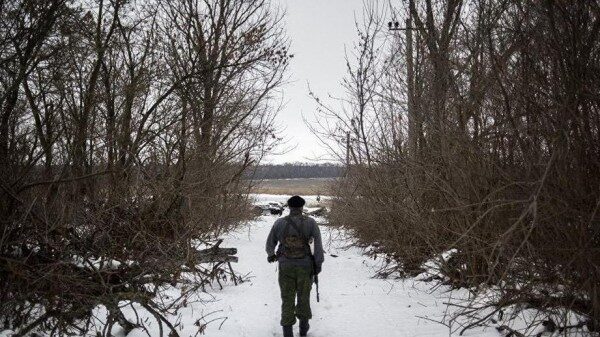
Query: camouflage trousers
295	283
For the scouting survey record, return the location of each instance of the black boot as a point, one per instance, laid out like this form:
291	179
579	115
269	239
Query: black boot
304	326
288	331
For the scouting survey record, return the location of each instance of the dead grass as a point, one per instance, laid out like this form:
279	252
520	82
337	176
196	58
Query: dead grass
300	186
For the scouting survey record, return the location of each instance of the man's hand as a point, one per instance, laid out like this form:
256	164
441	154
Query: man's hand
317	269
272	258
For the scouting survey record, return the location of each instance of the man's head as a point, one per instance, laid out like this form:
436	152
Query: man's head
296	202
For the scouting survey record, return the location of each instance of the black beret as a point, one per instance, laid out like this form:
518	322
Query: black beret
296	201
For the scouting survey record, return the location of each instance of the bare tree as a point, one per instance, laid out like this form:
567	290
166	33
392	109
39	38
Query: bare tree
505	96
124	138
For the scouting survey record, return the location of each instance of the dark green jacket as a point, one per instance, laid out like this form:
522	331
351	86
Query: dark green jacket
310	230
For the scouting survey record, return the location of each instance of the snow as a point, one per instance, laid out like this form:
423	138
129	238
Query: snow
353	303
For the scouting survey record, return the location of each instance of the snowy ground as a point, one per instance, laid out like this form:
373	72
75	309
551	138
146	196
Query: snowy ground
352	302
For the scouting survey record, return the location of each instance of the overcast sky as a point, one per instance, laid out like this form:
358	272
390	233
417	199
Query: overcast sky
318	30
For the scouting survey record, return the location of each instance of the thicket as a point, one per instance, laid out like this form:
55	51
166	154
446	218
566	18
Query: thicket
477	130
125	127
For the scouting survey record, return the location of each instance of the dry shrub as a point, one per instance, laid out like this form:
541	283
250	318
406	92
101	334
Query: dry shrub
497	158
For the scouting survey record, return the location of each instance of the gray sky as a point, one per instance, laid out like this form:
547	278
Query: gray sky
318	30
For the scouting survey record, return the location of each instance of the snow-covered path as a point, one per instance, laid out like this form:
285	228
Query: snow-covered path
352	302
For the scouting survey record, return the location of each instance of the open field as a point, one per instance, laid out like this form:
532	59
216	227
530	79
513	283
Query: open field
300	186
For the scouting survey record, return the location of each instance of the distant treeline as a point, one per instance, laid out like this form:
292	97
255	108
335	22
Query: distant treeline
287	171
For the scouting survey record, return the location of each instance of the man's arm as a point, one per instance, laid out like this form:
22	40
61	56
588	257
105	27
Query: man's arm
318	253
271	241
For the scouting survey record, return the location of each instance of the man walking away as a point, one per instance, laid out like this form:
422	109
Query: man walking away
297	265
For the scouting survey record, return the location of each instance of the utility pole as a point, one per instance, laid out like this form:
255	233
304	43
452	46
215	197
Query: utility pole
410	78
410	81
348	149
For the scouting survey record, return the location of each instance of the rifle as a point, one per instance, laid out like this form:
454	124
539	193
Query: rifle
315	275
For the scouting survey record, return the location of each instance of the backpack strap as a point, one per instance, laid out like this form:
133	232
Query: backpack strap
291	222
